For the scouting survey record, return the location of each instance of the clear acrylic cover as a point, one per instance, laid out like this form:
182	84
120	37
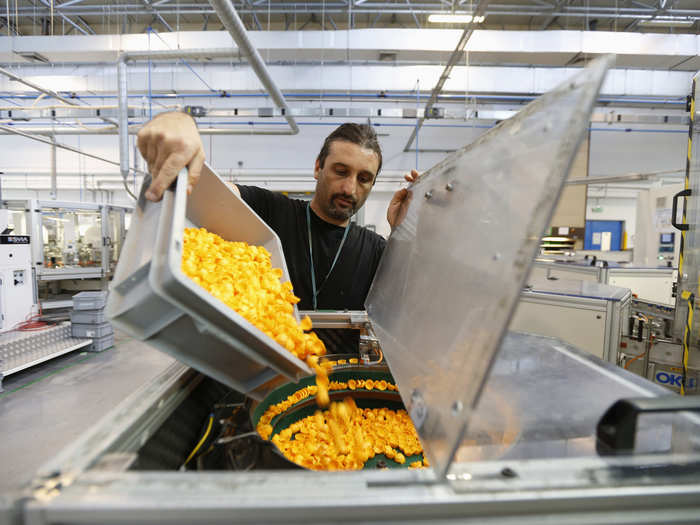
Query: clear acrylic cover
544	398
453	270
689	263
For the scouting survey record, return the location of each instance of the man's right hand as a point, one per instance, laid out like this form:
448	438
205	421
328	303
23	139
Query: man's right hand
169	143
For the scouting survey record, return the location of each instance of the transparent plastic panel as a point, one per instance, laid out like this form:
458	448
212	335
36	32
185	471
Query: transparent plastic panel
17	220
453	269
117	234
544	398
72	238
689	261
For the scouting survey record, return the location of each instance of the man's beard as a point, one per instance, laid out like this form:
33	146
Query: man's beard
341	213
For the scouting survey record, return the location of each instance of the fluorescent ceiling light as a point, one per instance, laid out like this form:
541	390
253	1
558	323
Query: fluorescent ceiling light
668	21
455	18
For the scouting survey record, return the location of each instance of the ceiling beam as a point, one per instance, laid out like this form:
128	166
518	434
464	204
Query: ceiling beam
155	12
552	18
69	3
255	16
415	18
330	19
85	31
10	25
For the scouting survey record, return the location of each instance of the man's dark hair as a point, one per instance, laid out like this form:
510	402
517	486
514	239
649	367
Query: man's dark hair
361	134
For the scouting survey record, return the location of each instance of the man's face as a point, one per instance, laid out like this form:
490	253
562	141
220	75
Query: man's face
345	180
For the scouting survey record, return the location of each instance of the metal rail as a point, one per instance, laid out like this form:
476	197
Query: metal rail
37	87
48	140
244	46
454	57
233	24
502	9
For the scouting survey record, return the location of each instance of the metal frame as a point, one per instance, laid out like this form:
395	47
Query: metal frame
541	14
595	273
83	484
615	311
561	271
19	351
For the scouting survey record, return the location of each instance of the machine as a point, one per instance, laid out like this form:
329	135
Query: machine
517	427
586	314
75	246
654	284
17	292
22	345
656	241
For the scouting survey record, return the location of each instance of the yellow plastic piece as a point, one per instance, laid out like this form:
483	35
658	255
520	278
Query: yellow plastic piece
242	277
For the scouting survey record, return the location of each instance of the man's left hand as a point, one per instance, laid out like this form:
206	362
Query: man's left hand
398	207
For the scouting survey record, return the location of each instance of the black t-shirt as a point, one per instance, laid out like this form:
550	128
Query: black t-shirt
347	285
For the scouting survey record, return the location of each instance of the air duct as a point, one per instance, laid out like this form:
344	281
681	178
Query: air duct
233	24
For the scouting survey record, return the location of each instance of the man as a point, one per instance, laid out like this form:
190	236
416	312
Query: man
331	261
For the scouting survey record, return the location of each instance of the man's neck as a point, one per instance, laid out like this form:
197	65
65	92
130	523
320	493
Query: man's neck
317	210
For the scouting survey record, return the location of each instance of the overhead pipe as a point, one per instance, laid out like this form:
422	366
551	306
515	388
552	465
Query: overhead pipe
385	7
133	130
233	24
40	89
169	54
454	57
123	92
46	91
123	119
173	54
48	131
445	97
52	142
54	184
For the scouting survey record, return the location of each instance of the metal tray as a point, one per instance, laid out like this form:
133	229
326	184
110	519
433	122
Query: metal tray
88	316
153	300
91	330
90	300
102	343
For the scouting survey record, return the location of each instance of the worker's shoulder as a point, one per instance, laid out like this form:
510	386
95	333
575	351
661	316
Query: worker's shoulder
258	194
372	238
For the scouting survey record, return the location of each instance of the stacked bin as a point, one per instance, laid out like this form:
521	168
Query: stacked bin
88	320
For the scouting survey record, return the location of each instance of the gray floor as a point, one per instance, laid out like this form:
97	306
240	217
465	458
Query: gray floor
44	408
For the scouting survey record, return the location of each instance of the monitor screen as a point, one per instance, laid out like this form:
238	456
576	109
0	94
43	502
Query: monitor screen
667	238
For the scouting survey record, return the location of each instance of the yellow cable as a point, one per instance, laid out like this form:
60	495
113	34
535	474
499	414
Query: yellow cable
201	441
687	296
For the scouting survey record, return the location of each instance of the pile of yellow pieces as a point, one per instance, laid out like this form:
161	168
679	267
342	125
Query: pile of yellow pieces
242	276
344	437
264	427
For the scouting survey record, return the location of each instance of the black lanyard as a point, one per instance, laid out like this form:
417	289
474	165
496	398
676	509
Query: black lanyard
311	256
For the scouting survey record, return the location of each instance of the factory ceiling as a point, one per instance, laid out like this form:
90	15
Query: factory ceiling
61	17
